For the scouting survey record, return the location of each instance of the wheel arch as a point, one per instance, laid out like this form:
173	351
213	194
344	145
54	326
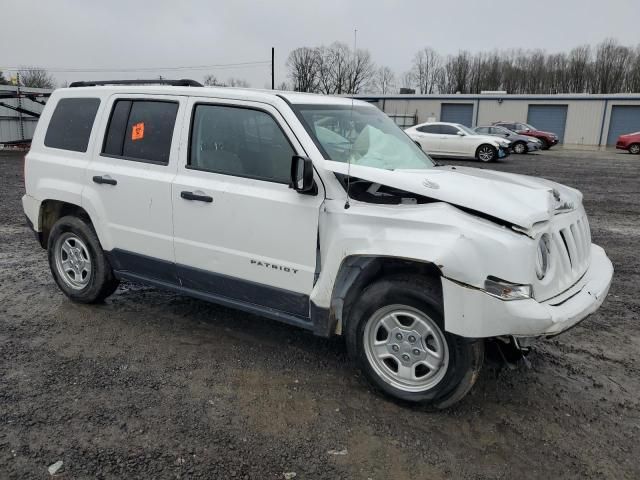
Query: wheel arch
356	272
51	211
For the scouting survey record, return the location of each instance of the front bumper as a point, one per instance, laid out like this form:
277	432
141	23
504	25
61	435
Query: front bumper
622	146
533	146
470	312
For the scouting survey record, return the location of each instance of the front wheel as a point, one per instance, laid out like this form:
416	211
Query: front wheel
520	147
486	153
396	335
634	148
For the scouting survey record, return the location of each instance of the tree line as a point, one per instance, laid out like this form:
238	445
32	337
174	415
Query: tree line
336	69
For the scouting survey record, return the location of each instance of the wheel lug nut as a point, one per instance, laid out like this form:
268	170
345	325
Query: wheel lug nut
395	348
412	339
399	336
416	352
405	357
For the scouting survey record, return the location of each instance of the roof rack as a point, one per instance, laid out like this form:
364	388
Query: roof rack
185	82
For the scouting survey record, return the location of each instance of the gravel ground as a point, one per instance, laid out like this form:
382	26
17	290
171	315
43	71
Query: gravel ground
153	384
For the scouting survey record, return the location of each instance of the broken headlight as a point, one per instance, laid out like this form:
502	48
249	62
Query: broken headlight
506	290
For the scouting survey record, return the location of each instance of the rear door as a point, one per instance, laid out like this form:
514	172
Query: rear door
240	232
128	182
428	136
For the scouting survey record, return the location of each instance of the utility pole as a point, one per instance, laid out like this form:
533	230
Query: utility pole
20	118
273	81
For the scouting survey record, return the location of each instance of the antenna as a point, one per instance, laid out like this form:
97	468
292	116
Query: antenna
347	204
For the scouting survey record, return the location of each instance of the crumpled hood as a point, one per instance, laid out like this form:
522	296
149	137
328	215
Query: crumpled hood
518	199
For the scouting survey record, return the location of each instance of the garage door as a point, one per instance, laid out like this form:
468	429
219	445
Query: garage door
549	118
457	113
624	119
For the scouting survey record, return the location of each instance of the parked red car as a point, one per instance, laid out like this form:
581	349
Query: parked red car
548	139
629	142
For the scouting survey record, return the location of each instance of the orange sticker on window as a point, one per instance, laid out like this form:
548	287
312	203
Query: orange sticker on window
137	131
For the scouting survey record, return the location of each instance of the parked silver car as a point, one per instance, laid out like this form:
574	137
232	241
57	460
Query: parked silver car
519	143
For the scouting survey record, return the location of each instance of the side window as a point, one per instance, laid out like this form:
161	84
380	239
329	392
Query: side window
71	123
239	141
448	130
429	129
141	130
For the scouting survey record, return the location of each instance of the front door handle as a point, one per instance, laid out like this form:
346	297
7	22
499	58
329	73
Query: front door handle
196	196
106	179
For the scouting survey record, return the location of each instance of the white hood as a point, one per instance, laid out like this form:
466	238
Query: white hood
517	199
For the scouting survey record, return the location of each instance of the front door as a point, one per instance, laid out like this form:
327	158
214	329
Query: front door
240	232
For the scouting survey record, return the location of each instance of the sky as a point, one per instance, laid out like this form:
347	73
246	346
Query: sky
117	34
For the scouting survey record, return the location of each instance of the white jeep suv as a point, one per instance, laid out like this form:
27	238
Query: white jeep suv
312	210
455	140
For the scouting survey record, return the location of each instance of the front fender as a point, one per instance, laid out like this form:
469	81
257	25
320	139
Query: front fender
463	247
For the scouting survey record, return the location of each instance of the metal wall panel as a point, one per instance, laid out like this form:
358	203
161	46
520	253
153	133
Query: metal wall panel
549	118
624	119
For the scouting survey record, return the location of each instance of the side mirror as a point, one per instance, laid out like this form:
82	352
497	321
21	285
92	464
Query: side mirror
302	175
460	134
527	130
507	134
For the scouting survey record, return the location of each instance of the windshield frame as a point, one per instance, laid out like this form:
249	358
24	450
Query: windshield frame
298	111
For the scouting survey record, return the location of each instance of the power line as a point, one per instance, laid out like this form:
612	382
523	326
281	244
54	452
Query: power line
142	69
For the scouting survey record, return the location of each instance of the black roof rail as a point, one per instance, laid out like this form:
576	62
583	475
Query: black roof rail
185	82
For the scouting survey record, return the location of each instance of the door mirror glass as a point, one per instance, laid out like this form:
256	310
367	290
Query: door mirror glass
461	133
302	175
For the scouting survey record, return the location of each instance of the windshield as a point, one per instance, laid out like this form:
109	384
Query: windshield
466	130
362	135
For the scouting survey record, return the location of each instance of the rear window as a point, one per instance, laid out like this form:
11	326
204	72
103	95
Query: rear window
71	123
141	130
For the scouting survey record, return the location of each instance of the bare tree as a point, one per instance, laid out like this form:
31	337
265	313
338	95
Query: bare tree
237	82
609	67
361	71
578	69
632	78
3	81
211	80
426	69
384	81
303	68
35	77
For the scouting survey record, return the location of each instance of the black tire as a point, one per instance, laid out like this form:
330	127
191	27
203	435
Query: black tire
634	148
520	147
545	144
101	281
486	153
465	356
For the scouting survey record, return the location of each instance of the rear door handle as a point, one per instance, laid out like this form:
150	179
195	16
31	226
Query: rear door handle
196	196
106	179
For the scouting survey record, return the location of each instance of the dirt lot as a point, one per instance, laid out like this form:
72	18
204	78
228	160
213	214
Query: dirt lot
153	384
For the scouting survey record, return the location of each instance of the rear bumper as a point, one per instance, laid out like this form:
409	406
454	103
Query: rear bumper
470	312
31	207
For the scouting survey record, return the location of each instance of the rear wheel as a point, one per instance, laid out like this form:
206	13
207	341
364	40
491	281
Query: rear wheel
634	148
520	147
396	334
486	153
78	263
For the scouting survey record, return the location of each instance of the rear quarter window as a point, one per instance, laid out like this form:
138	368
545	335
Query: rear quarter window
71	124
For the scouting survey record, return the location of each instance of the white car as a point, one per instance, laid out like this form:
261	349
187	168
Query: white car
455	140
312	210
